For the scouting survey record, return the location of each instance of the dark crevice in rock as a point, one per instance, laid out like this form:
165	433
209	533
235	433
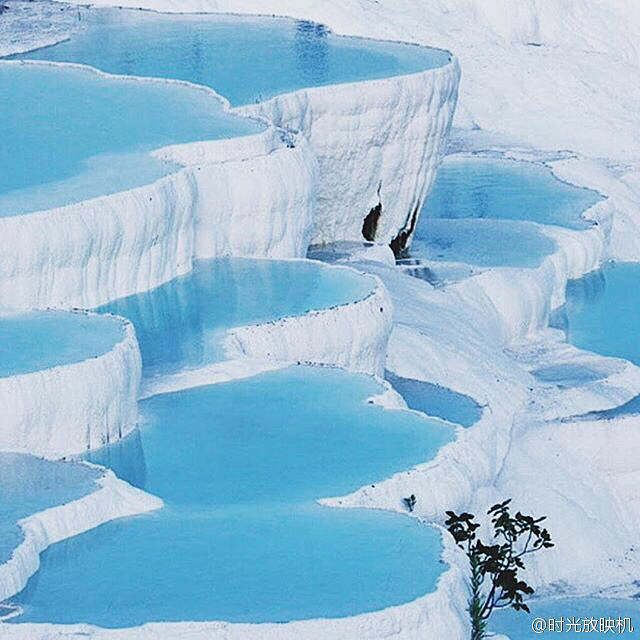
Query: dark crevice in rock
399	243
370	224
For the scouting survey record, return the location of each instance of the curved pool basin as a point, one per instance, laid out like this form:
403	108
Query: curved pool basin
181	324
479	209
434	400
497	188
29	485
246	59
39	340
482	243
602	311
239	466
71	134
571	618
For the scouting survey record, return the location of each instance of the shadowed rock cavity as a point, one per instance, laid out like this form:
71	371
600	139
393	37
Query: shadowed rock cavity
399	243
370	224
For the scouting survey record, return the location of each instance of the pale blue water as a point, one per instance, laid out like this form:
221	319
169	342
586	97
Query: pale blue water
481	187
602	312
484	243
435	400
42	339
246	59
568	375
573	613
70	134
29	485
181	324
239	466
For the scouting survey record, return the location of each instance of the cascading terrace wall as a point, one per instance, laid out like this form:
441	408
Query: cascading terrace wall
249	196
378	144
264	195
373	144
352	336
70	408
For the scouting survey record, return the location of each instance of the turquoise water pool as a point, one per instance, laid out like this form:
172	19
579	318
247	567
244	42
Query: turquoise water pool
245	59
239	466
437	401
479	208
29	485
576	618
484	187
70	134
39	340
602	311
483	243
181	324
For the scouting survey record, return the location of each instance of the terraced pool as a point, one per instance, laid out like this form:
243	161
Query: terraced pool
480	209
435	400
483	243
498	188
29	485
39	340
239	466
246	59
602	311
181	324
96	140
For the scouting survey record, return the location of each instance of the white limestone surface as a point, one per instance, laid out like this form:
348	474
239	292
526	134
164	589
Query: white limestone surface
621	185
216	373
259	206
27	25
353	336
522	299
70	408
113	499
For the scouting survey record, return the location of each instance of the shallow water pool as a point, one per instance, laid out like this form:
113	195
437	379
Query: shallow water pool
70	134
39	340
602	311
576	616
482	243
239	466
435	400
29	485
484	187
246	59
181	324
